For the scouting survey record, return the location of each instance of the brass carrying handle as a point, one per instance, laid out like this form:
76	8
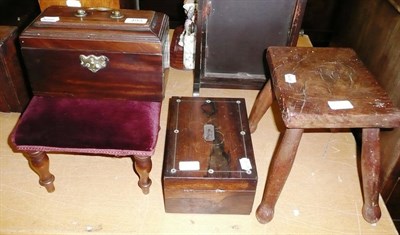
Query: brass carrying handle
115	14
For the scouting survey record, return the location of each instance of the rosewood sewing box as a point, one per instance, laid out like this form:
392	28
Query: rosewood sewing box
209	164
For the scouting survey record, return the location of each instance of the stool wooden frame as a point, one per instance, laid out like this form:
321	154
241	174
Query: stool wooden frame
320	76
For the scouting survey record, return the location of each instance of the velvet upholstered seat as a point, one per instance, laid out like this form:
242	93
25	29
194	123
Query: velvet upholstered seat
89	126
117	127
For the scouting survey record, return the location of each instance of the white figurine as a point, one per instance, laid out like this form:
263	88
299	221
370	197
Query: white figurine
188	37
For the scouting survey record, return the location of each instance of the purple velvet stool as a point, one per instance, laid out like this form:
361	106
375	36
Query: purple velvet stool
113	127
97	82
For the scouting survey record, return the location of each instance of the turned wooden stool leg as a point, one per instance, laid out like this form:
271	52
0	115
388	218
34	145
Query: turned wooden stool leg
143	167
280	166
260	106
39	162
370	169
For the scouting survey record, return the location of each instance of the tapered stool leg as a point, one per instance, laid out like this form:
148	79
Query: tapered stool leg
260	106
370	169
143	167
281	164
39	162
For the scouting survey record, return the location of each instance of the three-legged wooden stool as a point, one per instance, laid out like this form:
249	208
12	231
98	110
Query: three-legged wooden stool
323	88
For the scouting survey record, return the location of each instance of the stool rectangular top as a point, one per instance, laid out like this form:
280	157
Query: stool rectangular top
328	88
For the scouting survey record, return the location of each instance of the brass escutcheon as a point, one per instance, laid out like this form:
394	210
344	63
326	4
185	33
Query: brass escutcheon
93	63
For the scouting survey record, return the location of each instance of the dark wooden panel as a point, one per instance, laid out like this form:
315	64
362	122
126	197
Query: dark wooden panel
14	91
372	28
232	37
14	94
